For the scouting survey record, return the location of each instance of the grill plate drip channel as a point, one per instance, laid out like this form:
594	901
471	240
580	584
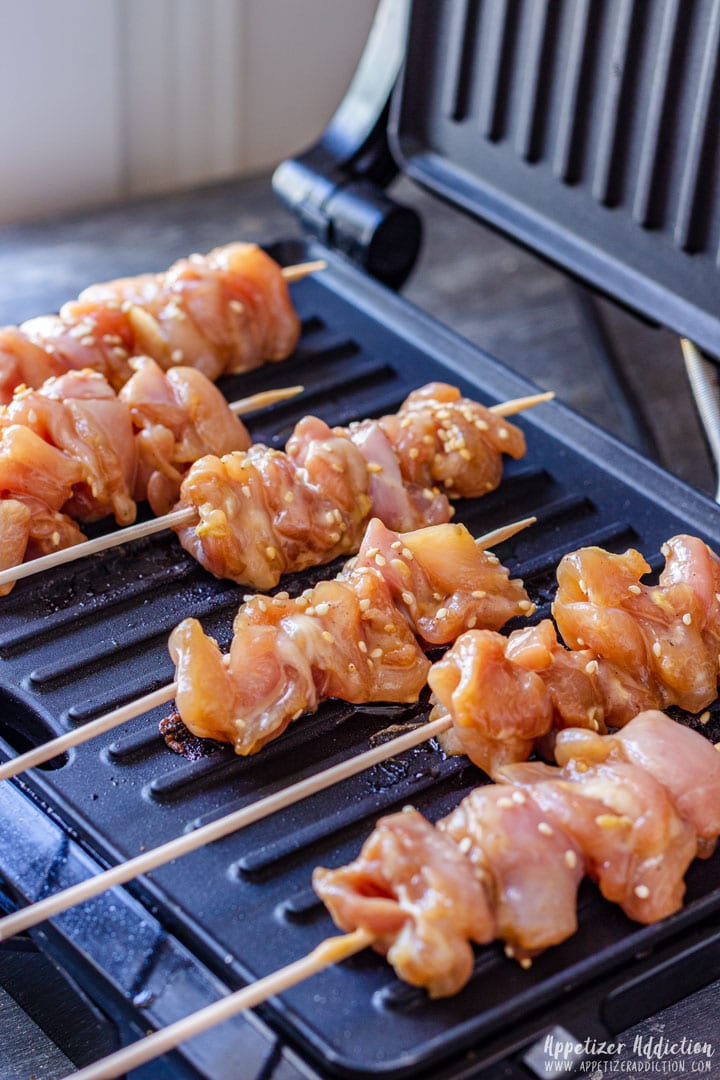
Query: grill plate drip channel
86	639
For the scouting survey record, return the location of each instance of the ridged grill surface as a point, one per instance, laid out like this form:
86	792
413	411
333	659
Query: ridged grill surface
89	638
589	129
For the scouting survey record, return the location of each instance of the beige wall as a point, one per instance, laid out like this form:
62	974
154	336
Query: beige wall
105	98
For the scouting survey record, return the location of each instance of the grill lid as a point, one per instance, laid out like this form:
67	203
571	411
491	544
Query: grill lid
586	129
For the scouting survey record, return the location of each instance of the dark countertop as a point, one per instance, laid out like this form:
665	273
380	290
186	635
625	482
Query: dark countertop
499	296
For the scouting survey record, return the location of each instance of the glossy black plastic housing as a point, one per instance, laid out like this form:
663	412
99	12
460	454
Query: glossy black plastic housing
589	130
87	638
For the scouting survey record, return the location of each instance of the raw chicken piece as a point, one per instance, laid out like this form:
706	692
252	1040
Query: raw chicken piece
179	417
531	870
413	888
634	842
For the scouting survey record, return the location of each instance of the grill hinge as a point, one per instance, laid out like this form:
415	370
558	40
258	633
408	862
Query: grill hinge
336	188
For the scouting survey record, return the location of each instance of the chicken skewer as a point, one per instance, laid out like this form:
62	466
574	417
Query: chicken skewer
504	698
239	519
75	451
228	311
157	456
404	654
421	894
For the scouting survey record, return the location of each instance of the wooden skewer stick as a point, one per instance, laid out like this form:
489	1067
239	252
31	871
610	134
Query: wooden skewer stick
174	520
239	819
302	270
179	518
164	694
517	405
330	951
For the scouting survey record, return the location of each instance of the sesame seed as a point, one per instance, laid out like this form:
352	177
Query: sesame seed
442	612
396	545
428	493
580	641
504	803
119	352
380	560
334	537
390	628
271	552
437	596
310	610
545	829
526	605
327	636
509	952
428	440
362	646
502	433
246	491
657	649
407	553
365	603
262	605
337	468
611	821
479	594
518	798
526	963
705	717
376	653
351	668
570	859
236	305
665	550
301	601
89	340
323	608
687	618
472	622
289	497
374	467
282	595
481	425
465	844
642	892
408	598
635	589
32	416
414	453
592	667
372	552
55	538
465	454
582	586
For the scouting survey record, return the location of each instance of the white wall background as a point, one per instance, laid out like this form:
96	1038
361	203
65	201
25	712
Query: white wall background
106	98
